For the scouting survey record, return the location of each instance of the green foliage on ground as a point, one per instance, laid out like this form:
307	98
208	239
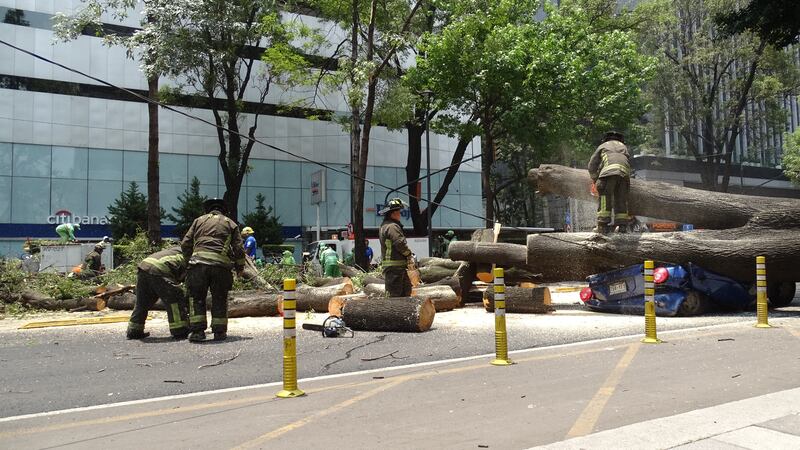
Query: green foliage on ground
131	251
14	281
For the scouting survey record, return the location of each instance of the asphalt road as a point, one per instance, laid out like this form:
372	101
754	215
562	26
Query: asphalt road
58	368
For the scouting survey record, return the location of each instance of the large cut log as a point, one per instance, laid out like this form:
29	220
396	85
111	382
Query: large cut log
439	262
703	209
40	301
127	301
373	279
317	298
433	273
506	255
574	256
444	298
516	275
337	302
397	314
454	284
254	303
521	300
322	282
349	271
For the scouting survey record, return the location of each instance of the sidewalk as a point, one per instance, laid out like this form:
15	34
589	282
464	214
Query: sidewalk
730	386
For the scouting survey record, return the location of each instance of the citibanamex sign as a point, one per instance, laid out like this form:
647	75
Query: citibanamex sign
65	216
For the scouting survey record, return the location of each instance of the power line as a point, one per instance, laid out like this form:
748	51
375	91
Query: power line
254	139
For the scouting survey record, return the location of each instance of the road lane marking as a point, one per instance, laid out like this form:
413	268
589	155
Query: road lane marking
588	418
349	374
259	441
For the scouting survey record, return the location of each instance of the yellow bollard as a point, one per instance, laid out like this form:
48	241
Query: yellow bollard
649	305
289	341
500	336
761	293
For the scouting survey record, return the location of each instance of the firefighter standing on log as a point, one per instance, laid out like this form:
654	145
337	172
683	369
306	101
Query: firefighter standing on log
160	276
610	169
213	246
396	257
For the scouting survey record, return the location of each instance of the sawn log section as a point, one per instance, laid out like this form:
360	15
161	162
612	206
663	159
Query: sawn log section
406	314
521	300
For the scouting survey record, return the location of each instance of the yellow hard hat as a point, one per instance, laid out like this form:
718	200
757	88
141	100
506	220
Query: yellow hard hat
247	230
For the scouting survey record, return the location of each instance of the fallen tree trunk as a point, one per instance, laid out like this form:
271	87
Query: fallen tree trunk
444	298
317	298
254	304
323	282
40	301
349	271
574	256
439	262
454	284
432	274
373	279
395	314
521	300
127	301
703	209
337	302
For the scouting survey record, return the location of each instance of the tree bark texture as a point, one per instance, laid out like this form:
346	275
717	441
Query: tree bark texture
153	201
373	279
126	301
41	301
337	302
703	209
439	262
394	314
521	300
317	298
431	274
444	298
254	304
574	256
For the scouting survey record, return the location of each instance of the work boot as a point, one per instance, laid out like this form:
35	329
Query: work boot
180	336
622	228
137	335
220	336
600	228
197	336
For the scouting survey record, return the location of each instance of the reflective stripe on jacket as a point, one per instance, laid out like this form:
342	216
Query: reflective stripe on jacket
168	263
394	248
214	240
610	158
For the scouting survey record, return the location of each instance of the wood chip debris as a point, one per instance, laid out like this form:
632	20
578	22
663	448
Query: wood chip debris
222	361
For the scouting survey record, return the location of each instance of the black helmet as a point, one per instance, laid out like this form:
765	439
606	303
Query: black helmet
614	136
214	204
394	204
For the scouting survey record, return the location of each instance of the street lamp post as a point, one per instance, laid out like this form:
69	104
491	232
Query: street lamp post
427	95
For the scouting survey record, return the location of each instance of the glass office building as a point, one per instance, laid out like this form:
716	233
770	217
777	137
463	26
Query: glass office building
69	146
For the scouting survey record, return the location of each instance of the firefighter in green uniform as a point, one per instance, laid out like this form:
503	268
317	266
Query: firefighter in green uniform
160	276
610	169
92	264
212	247
396	257
330	262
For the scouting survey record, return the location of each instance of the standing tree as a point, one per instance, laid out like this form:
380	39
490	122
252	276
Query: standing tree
498	73
266	226
791	156
211	49
190	207
128	214
377	33
775	21
89	18
707	80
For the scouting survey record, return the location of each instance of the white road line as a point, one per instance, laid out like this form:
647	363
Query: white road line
348	374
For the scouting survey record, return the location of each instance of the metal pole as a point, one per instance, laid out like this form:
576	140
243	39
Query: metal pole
428	158
318	224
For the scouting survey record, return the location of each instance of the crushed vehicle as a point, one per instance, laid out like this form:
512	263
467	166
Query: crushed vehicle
681	290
